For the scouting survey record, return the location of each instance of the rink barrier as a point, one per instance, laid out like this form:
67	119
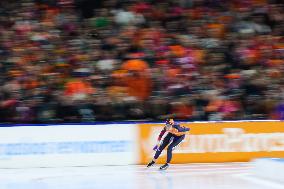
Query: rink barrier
231	141
67	145
124	143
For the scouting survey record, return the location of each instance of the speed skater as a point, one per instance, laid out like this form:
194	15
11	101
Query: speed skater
174	137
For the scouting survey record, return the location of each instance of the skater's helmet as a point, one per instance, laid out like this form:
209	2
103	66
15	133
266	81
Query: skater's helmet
170	121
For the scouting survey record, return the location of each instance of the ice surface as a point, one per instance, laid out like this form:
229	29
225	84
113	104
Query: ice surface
193	176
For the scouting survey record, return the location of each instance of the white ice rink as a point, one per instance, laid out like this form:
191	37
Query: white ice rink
192	176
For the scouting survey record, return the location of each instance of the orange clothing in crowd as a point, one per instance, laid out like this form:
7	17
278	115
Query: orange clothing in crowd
77	87
182	111
139	87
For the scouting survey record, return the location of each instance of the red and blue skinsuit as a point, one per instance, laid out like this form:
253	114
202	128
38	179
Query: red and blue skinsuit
170	139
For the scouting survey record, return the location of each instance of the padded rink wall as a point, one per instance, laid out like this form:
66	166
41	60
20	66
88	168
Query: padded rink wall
68	145
131	143
236	141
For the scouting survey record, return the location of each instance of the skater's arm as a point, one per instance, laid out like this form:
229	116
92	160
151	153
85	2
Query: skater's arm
179	130
161	134
179	133
176	132
183	129
159	138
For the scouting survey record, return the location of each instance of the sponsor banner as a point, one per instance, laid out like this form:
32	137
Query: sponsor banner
68	145
218	141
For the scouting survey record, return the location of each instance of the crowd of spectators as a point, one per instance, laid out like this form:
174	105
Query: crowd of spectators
141	60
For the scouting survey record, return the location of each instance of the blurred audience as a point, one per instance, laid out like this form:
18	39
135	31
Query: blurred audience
86	61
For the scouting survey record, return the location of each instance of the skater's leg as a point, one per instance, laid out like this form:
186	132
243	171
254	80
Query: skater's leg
176	141
165	142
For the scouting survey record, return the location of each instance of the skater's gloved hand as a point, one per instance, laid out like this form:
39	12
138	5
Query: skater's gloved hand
157	145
